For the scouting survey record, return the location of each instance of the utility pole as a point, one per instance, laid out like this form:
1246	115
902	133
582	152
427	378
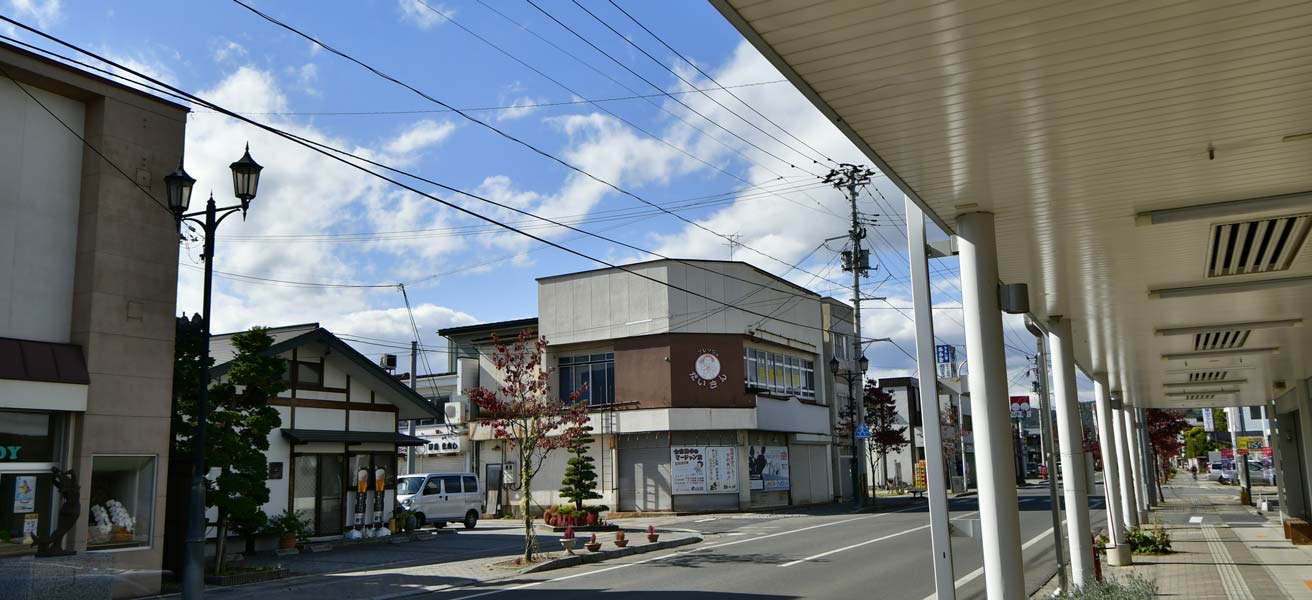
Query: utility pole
414	385
848	178
1049	455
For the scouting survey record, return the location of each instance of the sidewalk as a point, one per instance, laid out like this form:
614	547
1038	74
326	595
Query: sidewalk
1223	549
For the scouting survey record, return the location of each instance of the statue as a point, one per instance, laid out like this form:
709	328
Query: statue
69	511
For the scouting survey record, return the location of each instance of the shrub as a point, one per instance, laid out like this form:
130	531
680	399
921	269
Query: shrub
1153	541
1130	587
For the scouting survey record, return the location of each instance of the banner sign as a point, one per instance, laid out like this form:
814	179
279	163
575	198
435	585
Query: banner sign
768	468
1209	422
703	470
945	355
1249	442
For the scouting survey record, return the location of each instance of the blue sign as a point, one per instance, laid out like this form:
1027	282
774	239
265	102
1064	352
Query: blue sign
945	353
862	432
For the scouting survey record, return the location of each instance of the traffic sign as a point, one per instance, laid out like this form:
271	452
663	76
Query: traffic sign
862	432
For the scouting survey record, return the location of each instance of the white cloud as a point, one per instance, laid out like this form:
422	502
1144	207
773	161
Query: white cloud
422	14
145	60
394	324
306	77
45	12
227	50
421	135
518	109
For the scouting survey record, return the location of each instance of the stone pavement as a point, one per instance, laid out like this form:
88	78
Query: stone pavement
1222	550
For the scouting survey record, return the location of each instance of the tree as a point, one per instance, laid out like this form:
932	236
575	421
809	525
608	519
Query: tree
524	413
1197	444
1220	421
881	417
580	481
237	429
1164	429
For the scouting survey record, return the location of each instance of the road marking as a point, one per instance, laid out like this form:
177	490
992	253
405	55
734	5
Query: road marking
704	520
1195	519
973	575
674	554
845	548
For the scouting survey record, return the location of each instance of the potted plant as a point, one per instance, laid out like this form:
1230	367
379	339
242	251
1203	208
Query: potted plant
291	528
593	545
652	536
569	541
620	540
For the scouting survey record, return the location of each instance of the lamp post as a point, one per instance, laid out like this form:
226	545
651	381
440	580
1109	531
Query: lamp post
851	377
178	185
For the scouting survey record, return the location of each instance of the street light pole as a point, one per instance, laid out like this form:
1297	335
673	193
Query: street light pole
245	178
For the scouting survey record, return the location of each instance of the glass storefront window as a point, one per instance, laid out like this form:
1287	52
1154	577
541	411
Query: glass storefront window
27	437
122	508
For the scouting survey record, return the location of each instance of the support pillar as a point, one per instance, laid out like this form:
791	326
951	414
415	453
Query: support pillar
1136	461
1071	439
1130	512
1119	554
998	507
1149	459
935	473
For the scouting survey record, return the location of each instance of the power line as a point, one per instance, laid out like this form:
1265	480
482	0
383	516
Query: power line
332	153
428	111
493	128
718	85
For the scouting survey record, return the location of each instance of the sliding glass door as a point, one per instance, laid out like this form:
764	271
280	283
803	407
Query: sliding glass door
318	491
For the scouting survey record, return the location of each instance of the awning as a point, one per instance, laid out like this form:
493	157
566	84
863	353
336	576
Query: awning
42	376
305	436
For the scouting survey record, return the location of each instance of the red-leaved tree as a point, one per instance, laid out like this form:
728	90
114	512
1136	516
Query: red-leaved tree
529	419
886	437
1164	429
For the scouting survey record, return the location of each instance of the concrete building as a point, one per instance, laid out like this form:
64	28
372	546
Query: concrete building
694	407
446	447
88	281
1153	199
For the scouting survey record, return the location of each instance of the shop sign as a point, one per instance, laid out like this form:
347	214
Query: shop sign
10	453
768	468
703	469
706	370
443	444
24	494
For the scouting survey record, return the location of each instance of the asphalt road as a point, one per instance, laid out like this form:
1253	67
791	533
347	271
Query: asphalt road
766	557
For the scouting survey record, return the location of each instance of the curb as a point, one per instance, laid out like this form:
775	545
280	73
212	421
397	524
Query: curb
592	557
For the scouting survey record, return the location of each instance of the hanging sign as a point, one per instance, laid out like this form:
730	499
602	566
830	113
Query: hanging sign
1209	422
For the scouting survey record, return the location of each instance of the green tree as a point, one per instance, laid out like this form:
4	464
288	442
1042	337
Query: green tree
1220	421
580	481
237	429
1197	444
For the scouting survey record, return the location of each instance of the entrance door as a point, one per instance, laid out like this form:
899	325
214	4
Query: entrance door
494	487
319	490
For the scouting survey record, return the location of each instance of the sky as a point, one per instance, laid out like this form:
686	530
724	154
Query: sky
564	104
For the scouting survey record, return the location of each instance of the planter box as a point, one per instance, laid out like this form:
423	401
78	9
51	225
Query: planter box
245	577
587	528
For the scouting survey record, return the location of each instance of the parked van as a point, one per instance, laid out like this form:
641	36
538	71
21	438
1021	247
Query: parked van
441	498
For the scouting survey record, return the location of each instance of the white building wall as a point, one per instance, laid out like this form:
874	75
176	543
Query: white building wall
41	171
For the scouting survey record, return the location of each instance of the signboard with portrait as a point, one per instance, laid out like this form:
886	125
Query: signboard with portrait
768	468
703	469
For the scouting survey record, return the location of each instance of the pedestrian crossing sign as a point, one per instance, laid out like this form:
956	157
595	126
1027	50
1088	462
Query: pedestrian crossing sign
862	432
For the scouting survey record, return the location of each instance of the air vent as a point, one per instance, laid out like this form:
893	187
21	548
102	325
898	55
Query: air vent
1200	397
1208	376
1221	340
1256	246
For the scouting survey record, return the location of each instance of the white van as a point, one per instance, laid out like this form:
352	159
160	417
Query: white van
439	498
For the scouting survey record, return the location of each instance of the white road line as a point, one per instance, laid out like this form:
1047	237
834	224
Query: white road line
1195	520
674	554
704	520
845	548
973	575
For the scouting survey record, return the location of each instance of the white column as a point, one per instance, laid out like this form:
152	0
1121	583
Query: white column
1129	515
1148	466
1071	438
1110	462
936	477
999	512
1136	461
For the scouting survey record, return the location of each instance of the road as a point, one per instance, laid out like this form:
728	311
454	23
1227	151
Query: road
766	557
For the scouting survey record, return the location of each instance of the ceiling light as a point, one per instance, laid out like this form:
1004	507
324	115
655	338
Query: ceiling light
1229	288
1194	329
1190	384
1216	353
1200	392
1297	200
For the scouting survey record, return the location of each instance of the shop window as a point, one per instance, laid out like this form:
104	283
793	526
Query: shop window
27	437
122	502
779	374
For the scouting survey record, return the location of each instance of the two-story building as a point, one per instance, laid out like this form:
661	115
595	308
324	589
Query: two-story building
695	405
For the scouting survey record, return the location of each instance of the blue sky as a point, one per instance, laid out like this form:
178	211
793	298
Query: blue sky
319	222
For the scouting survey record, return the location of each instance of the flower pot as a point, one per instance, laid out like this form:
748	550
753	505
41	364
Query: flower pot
621	543
569	544
287	541
121	535
592	519
652	537
593	547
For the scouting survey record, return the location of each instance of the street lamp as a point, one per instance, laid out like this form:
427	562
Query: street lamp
178	186
863	363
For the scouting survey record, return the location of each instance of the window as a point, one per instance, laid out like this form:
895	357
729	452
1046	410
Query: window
307	373
471	483
27	436
450	483
122	502
1255	412
433	486
779	374
409	485
592	375
842	346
